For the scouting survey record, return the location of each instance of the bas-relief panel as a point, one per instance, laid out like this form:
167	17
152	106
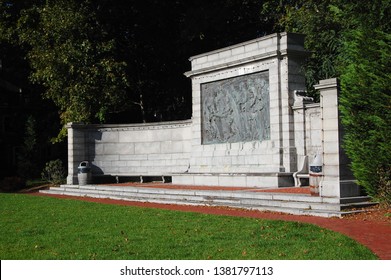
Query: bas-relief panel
236	109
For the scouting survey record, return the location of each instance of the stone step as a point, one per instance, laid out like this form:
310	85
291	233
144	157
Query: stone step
225	196
355	199
279	202
269	206
358	205
240	198
207	193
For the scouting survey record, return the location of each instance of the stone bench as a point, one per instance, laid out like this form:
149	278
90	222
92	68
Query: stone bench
164	176
302	173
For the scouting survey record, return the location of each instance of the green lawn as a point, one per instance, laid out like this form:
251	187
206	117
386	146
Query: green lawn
50	228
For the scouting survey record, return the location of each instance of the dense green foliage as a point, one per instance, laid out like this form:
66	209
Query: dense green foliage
365	67
72	58
49	228
317	21
351	40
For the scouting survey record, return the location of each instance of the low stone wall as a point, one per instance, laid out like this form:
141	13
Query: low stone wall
130	150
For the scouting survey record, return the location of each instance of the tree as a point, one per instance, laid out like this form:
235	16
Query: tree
156	38
96	58
71	56
365	67
27	156
317	20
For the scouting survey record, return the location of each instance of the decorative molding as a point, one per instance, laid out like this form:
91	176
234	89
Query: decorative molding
263	66
131	127
235	63
327	84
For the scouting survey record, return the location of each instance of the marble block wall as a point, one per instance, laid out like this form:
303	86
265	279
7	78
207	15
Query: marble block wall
130	150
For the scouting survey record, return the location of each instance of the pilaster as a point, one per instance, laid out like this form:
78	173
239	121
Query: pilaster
338	180
76	150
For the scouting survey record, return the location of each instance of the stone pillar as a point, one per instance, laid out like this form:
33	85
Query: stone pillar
290	60
301	129
76	150
338	180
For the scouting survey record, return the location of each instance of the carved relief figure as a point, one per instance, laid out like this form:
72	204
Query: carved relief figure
236	110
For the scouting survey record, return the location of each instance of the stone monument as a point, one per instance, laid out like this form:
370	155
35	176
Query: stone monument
252	126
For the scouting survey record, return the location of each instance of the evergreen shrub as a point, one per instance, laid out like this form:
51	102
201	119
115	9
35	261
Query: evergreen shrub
366	108
54	172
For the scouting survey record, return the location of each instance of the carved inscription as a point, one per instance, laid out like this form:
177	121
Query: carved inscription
236	109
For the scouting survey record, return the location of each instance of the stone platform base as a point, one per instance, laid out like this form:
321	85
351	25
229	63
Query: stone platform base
262	180
279	200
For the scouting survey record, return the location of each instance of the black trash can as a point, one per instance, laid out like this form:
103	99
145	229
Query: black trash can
84	173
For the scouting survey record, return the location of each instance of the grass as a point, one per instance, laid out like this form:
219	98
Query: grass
49	228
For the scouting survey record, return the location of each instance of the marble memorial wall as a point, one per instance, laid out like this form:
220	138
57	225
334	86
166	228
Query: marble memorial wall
249	127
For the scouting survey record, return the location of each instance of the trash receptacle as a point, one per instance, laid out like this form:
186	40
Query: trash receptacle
316	173
84	173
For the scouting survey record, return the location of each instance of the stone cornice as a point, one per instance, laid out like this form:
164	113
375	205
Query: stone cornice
327	84
130	127
276	46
